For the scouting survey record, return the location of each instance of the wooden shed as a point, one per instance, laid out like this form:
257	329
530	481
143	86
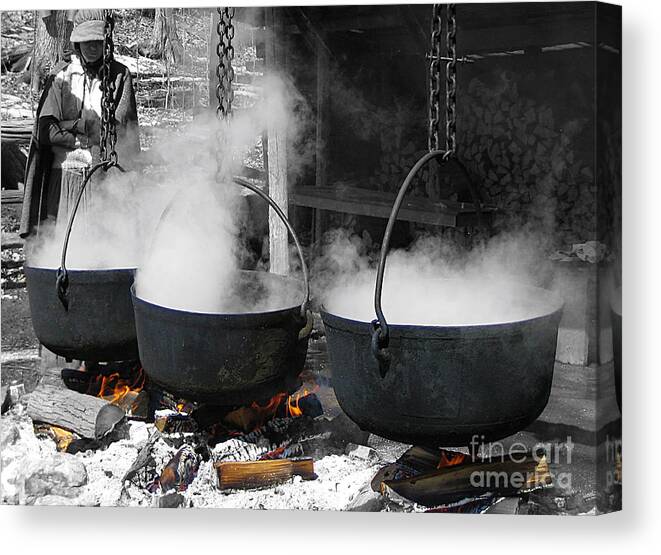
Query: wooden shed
529	130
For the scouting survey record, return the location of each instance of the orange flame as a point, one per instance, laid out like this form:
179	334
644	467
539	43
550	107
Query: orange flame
449	458
252	417
115	389
293	408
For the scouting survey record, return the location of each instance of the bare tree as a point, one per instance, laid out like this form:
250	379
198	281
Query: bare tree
52	45
165	43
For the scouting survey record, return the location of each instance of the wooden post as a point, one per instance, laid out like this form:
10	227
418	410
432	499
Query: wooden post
276	158
212	58
323	100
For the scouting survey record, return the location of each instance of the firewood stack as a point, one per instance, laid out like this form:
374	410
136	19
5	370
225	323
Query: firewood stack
524	160
527	162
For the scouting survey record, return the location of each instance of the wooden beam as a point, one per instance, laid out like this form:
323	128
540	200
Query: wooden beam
276	158
482	28
378	204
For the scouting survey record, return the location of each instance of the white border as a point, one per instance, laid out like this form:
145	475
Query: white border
73	530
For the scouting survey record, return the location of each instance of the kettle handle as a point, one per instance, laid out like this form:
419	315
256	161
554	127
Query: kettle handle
380	332
304	307
62	280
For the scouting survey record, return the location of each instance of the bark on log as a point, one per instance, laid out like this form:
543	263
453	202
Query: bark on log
255	474
65	408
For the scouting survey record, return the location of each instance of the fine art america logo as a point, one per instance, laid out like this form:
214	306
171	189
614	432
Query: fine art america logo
529	466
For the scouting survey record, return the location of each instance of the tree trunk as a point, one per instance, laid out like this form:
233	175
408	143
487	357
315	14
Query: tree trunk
165	44
52	44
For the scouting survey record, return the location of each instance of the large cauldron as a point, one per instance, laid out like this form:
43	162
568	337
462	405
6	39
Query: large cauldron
224	358
83	314
221	358
441	385
444	384
97	324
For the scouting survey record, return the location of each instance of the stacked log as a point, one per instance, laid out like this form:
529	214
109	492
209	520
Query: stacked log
523	158
527	163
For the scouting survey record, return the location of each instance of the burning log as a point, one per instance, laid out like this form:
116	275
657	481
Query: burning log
235	449
121	386
249	418
62	438
144	462
175	424
256	474
71	410
181	470
510	475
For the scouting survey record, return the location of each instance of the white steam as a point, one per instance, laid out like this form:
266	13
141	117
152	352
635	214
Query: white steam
179	221
108	230
435	283
193	261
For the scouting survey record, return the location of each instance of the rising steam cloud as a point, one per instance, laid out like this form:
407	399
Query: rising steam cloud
436	283
179	223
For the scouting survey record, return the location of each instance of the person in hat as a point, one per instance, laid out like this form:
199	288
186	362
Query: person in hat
66	137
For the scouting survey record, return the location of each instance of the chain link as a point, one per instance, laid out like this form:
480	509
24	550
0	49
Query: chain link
224	92
108	124
224	69
451	83
435	79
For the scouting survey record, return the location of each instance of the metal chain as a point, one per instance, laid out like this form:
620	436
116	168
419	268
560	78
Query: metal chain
451	84
224	69
224	92
108	126
434	79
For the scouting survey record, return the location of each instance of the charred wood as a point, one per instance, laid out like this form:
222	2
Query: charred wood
509	476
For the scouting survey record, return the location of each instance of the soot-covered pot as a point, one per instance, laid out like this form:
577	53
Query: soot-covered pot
442	385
